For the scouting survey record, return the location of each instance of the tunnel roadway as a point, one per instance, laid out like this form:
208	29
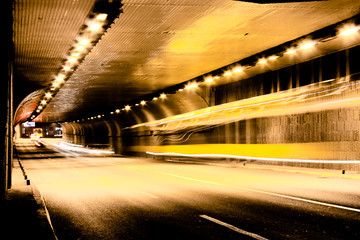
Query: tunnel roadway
100	196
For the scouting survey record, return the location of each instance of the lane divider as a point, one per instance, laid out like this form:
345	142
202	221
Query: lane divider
254	190
231	227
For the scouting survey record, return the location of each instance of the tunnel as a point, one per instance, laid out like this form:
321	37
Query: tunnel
259	97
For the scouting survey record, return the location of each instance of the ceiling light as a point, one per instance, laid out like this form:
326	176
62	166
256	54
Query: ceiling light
163	96
127	107
349	30
40	107
95	27
75	55
262	61
273	57
99	116
142	102
209	79
66	68
117	110
155	98
84	42
43	102
101	17
38	110
48	95
80	48
72	60
238	69
55	84
227	73
307	45
290	51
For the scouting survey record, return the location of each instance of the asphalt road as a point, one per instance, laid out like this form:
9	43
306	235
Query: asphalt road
99	196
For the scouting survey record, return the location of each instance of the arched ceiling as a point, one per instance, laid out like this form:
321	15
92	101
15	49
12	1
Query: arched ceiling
152	45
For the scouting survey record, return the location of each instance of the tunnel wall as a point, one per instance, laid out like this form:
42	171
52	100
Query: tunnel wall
329	134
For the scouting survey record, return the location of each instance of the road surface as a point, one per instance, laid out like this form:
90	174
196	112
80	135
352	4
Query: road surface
101	196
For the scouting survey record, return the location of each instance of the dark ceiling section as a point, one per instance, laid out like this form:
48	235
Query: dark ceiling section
153	45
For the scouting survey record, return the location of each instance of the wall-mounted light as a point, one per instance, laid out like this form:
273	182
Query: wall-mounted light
307	45
348	30
262	61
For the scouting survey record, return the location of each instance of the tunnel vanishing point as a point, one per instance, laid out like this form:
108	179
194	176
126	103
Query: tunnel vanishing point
267	82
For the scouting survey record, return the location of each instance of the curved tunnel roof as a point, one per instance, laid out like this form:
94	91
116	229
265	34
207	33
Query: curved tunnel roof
151	46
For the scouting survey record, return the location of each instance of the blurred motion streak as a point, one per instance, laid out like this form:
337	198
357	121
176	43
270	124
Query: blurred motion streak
312	98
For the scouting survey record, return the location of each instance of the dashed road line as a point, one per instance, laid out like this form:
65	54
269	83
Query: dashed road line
231	227
255	190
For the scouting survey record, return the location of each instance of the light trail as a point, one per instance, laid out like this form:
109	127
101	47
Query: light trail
80	148
202	155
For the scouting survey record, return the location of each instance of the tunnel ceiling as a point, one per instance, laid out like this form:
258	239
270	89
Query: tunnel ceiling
153	44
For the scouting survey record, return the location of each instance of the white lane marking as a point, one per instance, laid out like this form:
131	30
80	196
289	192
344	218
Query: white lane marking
229	226
258	191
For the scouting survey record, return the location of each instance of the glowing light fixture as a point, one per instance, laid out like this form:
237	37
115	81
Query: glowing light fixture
117	110
273	57
238	69
163	96
101	17
290	51
155	98
43	102
80	48
209	79
95	27
142	103
48	95
127	107
72	60
349	30
227	73
84	42
307	45
262	61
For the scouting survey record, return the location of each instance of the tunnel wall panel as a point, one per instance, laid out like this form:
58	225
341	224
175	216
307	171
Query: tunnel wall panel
324	135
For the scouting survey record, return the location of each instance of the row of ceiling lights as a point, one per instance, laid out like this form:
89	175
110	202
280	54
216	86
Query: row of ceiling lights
307	44
96	24
77	53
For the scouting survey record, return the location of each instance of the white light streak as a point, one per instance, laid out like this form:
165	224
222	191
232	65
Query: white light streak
205	155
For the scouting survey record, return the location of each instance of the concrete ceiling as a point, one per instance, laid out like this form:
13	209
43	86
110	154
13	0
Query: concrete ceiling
153	44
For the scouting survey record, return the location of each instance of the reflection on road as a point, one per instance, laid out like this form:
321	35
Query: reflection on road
106	197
